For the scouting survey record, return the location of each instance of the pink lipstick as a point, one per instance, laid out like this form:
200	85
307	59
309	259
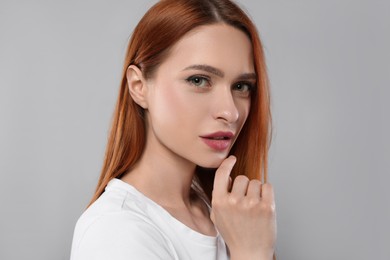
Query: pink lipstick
219	140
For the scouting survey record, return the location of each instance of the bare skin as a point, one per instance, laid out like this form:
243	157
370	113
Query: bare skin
180	109
250	207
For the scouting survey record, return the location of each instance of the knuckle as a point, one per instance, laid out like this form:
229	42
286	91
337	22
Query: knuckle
233	200
252	202
241	179
255	182
254	185
267	209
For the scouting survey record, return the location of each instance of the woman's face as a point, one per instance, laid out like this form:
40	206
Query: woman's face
199	97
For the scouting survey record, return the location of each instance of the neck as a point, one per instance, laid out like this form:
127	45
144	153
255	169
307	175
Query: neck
162	175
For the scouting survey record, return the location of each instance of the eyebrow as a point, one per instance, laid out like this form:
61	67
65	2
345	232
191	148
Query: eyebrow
206	68
219	73
248	76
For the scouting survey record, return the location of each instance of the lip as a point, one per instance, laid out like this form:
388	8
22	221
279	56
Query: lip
219	141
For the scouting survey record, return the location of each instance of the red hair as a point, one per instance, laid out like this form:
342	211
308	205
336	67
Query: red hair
159	29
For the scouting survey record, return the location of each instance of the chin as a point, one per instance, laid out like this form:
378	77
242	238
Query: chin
212	161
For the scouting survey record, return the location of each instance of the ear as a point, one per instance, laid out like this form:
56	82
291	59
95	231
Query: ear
137	85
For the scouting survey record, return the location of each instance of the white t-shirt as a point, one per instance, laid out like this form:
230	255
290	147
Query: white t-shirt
124	224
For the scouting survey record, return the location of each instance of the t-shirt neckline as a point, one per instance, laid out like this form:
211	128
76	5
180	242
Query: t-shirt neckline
158	209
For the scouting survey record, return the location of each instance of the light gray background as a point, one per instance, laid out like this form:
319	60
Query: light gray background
60	63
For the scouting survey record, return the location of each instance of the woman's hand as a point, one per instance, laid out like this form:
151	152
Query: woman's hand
245	216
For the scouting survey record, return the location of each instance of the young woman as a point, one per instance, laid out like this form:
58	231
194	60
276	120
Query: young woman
184	175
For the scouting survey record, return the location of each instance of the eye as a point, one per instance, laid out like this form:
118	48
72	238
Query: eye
199	81
243	87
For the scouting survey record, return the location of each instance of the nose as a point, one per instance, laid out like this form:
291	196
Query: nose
225	109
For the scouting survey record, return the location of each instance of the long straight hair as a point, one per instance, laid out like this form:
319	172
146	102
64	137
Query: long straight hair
159	29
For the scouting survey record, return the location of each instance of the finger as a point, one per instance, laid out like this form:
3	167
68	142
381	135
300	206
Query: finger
267	193
240	186
221	180
254	189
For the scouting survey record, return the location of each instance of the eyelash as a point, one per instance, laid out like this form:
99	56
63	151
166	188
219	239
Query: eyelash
192	79
250	86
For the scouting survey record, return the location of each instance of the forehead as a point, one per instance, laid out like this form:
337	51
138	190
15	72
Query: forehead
219	45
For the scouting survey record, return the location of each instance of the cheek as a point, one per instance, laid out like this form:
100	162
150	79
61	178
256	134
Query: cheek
244	108
173	107
163	106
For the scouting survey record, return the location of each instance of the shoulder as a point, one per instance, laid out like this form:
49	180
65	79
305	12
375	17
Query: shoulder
118	236
108	230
